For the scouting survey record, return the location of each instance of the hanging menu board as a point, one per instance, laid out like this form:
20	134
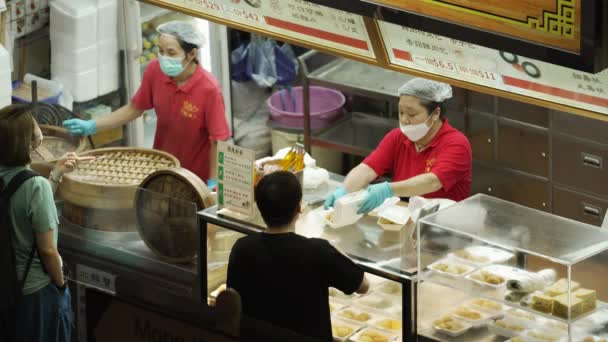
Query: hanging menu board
306	23
553	23
235	178
471	63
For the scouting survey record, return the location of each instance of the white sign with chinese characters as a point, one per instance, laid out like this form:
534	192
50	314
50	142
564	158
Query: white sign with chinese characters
95	278
299	19
235	178
497	69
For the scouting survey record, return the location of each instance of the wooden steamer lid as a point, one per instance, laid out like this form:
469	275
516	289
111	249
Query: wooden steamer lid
57	142
110	181
166	216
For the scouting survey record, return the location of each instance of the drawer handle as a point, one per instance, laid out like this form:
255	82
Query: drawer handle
592	161
592	210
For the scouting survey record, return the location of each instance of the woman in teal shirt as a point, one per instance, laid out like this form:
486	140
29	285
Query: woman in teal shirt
45	313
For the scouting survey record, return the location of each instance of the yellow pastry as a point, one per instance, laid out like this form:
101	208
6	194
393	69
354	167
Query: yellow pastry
510	325
360	317
464	254
487	304
589	298
448	323
560	287
489	278
561	305
542	303
467	313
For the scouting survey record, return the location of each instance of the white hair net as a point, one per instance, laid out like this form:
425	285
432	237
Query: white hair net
183	31
426	90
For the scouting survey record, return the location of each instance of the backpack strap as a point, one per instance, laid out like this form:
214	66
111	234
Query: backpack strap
5	198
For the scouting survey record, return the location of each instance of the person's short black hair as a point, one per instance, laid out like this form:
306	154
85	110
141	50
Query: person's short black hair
278	196
188	48
431	106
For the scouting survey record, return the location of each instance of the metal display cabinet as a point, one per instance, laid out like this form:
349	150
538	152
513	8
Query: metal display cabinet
490	244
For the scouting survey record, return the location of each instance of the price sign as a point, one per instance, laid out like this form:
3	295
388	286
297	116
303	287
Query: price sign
92	277
502	70
318	25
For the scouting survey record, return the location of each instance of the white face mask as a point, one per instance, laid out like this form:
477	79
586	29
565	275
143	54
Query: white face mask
415	132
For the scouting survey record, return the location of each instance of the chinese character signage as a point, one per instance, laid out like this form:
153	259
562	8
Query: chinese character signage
497	69
235	178
315	24
95	278
553	23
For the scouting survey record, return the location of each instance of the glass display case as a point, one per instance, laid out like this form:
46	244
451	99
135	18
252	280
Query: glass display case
385	312
491	270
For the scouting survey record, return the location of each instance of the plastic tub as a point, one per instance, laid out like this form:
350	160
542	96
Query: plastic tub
325	107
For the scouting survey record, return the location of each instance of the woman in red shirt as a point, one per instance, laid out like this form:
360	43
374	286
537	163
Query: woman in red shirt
187	99
425	156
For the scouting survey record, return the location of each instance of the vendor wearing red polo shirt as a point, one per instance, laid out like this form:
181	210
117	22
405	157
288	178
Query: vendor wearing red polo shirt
425	156
187	99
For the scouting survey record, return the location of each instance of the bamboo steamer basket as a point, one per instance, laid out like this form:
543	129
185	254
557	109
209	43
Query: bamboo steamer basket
166	204
108	205
57	142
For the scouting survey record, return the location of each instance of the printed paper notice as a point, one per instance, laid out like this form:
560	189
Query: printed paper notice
235	178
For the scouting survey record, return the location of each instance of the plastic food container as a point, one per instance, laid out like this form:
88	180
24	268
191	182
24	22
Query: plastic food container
390	288
376	301
490	255
506	331
389	324
543	335
475	323
325	107
501	271
381	334
436	268
342	329
393	217
345	210
494	312
357	314
526	318
454	333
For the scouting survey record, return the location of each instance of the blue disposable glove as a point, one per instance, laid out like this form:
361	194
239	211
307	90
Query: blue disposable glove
331	199
376	195
211	183
80	127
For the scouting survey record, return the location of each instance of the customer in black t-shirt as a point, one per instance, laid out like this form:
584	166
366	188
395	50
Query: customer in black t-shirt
283	278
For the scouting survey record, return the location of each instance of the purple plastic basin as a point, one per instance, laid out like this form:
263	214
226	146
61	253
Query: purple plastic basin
325	107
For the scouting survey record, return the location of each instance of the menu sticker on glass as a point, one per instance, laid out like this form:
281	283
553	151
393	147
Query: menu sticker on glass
235	178
298	19
502	70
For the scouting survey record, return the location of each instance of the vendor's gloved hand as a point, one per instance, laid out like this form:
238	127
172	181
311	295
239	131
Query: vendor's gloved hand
211	183
80	127
331	199
376	195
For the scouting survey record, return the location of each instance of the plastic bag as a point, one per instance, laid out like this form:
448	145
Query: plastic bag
265	62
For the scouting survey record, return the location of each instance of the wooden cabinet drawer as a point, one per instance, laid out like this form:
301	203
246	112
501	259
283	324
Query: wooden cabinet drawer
481	102
581	165
523	148
579	206
512	186
523	112
481	134
580	126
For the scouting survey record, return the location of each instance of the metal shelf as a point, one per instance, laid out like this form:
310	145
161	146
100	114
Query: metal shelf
358	134
352	77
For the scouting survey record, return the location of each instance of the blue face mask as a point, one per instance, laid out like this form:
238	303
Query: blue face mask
171	66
